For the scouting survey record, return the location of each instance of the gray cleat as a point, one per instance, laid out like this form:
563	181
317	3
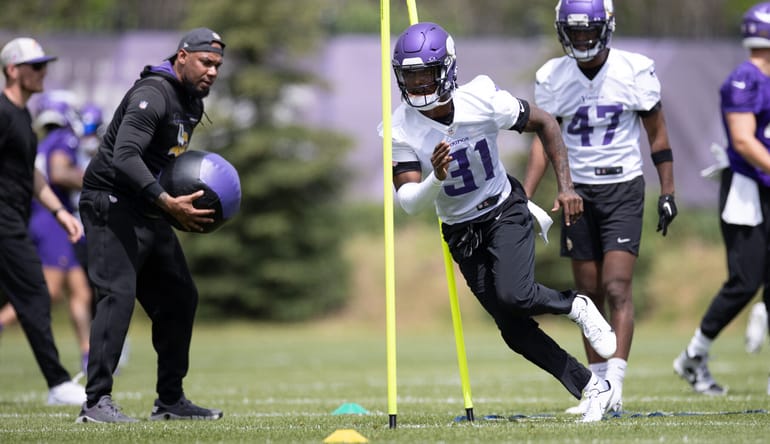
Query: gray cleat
104	411
695	371
182	409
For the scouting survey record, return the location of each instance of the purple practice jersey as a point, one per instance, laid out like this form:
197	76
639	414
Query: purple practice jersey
747	90
50	238
61	140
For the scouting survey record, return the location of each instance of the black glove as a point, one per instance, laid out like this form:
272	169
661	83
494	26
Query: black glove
666	212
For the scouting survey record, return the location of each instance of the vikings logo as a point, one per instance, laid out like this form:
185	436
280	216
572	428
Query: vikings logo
182	139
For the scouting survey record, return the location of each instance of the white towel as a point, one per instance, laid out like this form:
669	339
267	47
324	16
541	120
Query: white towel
743	206
722	162
542	218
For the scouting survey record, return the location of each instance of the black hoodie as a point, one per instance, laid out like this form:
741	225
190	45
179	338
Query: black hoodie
153	124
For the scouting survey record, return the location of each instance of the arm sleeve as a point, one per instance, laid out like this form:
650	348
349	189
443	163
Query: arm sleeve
143	115
416	196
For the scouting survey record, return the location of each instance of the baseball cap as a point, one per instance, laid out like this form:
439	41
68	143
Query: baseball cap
200	39
23	50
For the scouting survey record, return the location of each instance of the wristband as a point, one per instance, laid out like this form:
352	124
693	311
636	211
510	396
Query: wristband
661	156
56	211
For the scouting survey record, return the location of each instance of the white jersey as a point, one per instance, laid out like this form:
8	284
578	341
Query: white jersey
600	121
476	172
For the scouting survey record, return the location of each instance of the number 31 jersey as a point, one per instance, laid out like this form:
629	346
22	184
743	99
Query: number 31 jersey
476	172
599	117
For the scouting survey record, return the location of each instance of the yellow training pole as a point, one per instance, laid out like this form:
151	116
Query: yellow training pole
457	324
412	8
454	303
387	165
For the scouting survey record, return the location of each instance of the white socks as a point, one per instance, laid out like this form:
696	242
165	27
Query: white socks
699	345
616	371
599	369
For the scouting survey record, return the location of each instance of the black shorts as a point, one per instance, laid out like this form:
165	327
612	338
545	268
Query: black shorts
612	220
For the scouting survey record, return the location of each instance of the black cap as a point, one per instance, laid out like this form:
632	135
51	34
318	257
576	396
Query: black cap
200	39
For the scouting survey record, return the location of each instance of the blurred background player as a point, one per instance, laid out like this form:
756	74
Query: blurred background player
744	200
57	158
21	274
603	98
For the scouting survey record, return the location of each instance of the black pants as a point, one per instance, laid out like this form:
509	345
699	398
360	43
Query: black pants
134	256
748	262
500	272
22	281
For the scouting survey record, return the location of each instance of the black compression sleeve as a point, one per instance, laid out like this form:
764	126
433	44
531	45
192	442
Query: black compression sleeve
523	118
403	167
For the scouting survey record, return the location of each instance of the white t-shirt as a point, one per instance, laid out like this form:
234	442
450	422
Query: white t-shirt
476	173
600	121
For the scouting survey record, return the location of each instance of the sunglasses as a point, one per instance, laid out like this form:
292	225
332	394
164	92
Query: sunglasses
36	66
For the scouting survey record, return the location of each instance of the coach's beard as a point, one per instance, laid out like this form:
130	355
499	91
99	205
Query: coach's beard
194	91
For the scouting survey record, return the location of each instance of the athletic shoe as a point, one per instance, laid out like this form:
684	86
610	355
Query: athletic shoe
182	409
695	371
579	409
756	328
104	411
67	393
600	401
595	328
582	407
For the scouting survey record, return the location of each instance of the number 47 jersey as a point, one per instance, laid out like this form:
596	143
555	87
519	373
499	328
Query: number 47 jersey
600	120
477	181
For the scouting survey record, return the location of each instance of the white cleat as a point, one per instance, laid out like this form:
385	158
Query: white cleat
601	400
595	328
67	393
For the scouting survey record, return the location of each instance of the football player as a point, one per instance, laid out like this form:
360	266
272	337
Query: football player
744	201
446	155
603	98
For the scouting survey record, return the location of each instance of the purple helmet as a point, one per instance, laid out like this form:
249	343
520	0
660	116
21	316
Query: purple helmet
426	46
56	108
755	26
574	16
92	119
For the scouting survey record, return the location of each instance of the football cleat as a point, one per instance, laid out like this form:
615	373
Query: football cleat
601	400
695	371
595	328
67	393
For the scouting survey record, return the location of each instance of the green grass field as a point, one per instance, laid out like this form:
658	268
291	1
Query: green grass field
282	384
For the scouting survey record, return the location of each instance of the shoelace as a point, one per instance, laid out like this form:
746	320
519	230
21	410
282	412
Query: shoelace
111	408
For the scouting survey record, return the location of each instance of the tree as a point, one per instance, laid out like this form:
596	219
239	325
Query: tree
281	257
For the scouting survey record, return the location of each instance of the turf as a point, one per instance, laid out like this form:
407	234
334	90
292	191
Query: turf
282	384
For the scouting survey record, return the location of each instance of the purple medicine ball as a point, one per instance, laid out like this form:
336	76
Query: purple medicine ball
202	170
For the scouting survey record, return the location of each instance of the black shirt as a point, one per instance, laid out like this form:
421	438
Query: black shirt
18	148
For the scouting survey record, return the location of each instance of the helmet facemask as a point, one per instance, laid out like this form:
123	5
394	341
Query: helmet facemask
425	86
584	27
